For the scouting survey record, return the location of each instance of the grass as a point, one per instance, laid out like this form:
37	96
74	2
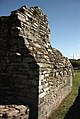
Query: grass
68	102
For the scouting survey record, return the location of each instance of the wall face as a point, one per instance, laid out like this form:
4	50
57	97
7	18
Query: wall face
30	69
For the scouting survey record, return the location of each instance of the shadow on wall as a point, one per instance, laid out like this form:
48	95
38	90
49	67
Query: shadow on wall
19	76
74	111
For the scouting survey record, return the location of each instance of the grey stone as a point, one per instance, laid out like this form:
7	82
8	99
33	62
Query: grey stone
31	71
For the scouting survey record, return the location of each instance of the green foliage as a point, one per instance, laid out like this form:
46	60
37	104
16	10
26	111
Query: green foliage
75	63
68	102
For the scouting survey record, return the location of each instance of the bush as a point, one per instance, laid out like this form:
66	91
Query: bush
75	63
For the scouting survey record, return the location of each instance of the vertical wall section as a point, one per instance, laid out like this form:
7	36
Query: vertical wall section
31	71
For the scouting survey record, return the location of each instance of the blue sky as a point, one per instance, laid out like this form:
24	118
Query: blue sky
64	21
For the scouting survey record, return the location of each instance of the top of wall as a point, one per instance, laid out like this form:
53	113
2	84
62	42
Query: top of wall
35	12
32	25
35	18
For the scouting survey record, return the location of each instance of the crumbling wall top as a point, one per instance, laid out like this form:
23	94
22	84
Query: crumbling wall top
34	18
33	11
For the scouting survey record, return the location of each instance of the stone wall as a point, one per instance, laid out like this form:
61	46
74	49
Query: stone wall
14	112
31	71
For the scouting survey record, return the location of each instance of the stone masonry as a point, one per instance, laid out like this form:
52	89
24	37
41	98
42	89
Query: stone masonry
34	77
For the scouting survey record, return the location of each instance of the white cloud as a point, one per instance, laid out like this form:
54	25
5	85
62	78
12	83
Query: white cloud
74	56
77	56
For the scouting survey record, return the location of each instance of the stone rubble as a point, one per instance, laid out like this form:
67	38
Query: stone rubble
14	112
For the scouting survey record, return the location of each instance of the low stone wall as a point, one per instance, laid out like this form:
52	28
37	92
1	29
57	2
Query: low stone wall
14	112
31	71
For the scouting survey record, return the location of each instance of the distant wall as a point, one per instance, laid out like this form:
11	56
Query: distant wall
31	71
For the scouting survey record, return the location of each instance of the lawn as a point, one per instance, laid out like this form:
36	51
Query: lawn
68	102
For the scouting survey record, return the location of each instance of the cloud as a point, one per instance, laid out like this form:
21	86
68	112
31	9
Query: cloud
74	56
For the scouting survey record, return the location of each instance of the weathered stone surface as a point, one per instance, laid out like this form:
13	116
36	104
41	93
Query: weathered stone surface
31	71
14	112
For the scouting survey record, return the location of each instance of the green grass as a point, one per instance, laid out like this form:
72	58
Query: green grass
68	102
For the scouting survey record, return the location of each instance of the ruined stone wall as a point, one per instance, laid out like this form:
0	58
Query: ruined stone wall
31	71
